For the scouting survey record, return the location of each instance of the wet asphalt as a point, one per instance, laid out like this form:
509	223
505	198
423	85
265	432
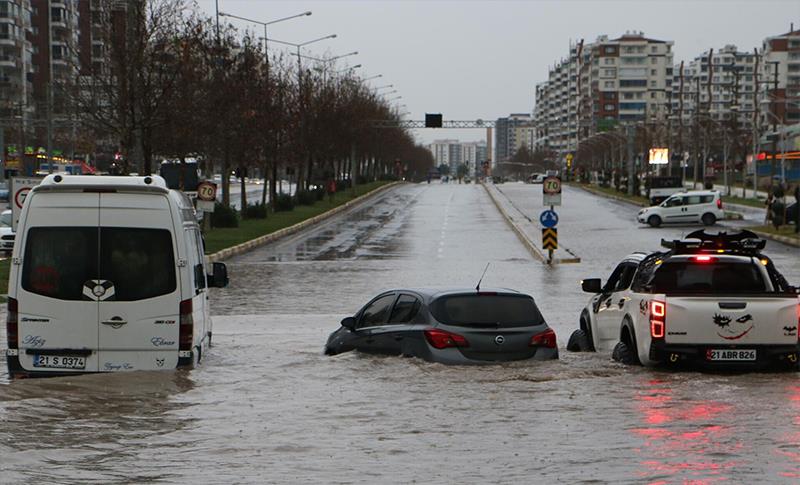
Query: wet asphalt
267	407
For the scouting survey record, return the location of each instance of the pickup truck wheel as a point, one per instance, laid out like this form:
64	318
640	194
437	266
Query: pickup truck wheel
709	219
623	353
654	221
579	342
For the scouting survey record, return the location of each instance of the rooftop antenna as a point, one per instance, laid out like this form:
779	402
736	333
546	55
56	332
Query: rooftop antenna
478	287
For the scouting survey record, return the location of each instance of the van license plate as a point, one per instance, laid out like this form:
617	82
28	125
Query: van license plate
59	361
731	354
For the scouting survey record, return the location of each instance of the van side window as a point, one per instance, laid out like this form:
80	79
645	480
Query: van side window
58	261
197	258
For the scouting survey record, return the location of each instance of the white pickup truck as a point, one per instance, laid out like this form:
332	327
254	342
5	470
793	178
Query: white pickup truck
712	300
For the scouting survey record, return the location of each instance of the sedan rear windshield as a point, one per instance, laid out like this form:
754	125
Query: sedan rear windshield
486	310
700	277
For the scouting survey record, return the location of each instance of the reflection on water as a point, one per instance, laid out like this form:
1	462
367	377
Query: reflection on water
89	424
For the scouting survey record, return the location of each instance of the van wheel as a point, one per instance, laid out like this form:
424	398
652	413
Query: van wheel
709	219
623	353
578	341
654	221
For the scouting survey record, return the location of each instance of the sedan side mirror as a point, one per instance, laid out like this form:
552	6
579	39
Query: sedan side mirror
591	285
219	276
349	323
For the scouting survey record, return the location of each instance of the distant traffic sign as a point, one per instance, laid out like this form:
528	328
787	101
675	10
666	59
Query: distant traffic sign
548	218
20	187
550	238
552	185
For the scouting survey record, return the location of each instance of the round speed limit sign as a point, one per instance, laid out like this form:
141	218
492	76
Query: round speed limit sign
552	185
207	191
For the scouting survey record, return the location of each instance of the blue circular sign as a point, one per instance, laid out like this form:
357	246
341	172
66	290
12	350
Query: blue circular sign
549	219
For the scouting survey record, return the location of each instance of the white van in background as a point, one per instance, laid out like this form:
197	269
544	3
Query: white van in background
107	274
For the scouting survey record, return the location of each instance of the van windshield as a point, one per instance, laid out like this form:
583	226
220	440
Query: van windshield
60	261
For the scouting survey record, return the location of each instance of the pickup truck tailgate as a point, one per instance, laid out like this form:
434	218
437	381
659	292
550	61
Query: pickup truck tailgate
762	320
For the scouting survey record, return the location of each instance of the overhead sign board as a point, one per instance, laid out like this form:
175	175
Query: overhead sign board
20	187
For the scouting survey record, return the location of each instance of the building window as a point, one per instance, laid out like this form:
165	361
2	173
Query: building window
653	60
609	107
653	49
608	60
608	84
652	72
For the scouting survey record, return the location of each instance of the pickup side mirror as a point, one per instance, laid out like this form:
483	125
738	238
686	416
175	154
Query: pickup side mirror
219	276
349	323
591	285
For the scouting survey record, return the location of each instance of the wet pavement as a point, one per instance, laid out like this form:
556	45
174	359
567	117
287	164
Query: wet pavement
267	407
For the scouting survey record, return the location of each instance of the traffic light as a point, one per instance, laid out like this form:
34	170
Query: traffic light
433	120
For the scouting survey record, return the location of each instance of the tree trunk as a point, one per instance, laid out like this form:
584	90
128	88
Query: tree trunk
243	193
226	184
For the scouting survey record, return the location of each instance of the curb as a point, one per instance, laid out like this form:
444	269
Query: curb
789	241
288	231
520	234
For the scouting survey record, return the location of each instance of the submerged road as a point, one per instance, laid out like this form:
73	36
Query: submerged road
268	407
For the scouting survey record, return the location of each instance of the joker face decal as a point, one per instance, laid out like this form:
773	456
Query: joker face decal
731	329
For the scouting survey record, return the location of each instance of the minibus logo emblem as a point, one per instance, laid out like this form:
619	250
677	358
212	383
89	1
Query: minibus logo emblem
98	291
499	340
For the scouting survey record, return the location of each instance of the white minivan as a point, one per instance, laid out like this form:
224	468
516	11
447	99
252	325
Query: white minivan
690	207
107	274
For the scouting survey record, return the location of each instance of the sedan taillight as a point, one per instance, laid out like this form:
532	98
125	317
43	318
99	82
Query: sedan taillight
441	339
546	339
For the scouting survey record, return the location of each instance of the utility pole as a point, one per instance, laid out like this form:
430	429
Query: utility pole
680	129
755	124
774	123
629	132
696	131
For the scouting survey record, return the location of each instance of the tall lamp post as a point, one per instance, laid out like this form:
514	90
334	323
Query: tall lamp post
265	24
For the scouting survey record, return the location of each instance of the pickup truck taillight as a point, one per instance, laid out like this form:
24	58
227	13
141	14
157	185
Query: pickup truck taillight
658	317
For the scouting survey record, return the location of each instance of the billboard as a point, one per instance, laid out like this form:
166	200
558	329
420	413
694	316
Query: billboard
659	156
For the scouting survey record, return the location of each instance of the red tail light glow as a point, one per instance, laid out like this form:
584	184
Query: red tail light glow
546	339
719	203
441	339
703	259
12	327
658	318
186	327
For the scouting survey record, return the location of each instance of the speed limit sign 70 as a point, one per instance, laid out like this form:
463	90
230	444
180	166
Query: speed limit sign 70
552	185
207	191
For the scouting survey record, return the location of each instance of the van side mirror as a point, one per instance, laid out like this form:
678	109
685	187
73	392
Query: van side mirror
349	323
591	285
219	276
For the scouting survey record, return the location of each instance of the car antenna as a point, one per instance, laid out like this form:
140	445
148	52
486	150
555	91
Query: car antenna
478	287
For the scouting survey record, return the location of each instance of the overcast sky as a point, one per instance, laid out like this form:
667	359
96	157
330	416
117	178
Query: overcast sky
482	59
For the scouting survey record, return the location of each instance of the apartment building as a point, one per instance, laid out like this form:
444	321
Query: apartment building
510	134
717	84
780	74
600	85
16	58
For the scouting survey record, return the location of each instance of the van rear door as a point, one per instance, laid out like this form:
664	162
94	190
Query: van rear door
138	264
57	320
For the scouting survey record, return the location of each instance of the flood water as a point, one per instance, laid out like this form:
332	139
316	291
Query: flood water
267	407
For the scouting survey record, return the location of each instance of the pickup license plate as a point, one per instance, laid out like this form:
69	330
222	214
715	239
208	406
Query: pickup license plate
731	354
59	361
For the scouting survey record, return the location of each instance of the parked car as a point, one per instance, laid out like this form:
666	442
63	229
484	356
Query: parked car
694	206
6	232
112	278
536	178
455	326
712	299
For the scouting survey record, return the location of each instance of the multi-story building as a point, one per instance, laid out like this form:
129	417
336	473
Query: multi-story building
717	84
780	78
16	58
599	85
454	153
510	133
